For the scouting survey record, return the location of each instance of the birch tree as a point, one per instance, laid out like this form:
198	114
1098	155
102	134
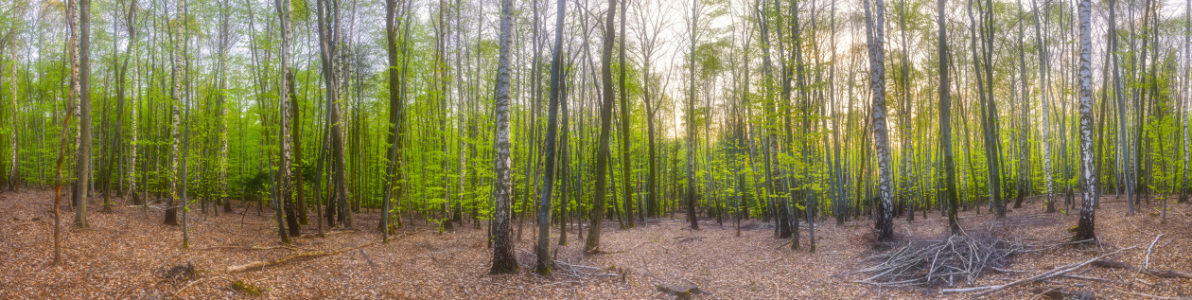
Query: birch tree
875	33
504	260
1085	228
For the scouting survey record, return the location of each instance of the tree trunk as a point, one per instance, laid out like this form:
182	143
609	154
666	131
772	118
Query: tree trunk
690	120
504	260
1085	229
171	217
592	244
1045	140
1183	122
945	121
83	164
624	130
544	209
283	171
885	222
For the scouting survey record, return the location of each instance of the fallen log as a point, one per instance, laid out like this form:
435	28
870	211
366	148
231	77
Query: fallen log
305	255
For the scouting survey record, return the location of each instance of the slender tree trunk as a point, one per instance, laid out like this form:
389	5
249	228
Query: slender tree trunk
1183	121
945	120
544	209
624	130
83	164
592	244
72	12
330	43
221	107
283	171
690	119
171	217
1023	181
1045	140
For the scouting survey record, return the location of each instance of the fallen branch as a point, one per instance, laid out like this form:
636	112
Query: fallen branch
985	290
627	250
1156	296
305	255
1113	264
1091	278
326	233
1146	263
179	291
287	247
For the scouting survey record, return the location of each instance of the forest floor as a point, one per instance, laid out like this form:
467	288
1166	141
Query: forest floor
125	254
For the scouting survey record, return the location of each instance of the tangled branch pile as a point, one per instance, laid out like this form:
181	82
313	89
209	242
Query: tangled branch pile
959	257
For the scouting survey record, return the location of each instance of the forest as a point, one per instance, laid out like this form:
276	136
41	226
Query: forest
607	149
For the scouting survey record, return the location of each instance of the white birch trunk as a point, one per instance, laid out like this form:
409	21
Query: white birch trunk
504	260
881	137
1087	211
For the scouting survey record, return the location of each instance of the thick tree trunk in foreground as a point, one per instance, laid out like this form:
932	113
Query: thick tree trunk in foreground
171	217
1085	229
83	158
504	260
885	220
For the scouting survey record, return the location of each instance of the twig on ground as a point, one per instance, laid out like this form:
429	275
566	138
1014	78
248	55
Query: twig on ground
369	259
1147	261
287	247
179	291
1073	276
985	290
266	263
1155	296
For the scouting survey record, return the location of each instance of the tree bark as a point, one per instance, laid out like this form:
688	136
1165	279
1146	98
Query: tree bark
624	130
945	121
592	244
544	209
504	260
83	164
876	34
1085	228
